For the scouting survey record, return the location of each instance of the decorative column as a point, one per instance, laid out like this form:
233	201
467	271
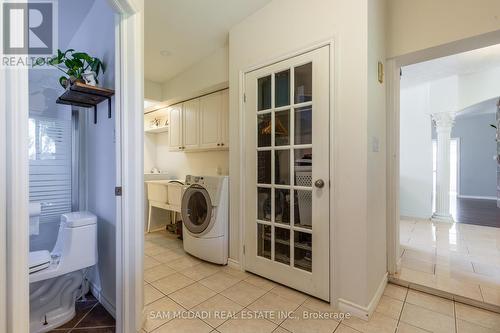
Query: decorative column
443	121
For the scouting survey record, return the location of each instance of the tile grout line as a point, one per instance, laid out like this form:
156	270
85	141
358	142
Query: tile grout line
402	308
455	315
86	314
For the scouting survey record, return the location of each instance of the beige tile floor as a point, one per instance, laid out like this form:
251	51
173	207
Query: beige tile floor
460	259
176	283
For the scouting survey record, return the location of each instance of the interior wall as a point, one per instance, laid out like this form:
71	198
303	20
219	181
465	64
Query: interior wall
261	38
152	90
477	87
376	153
478	169
415	152
179	164
149	152
211	71
96	36
418	25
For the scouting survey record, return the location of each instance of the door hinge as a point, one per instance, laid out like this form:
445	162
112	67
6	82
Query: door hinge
243	249
244	98
118	191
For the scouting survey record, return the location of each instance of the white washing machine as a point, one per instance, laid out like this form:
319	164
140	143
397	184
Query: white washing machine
205	212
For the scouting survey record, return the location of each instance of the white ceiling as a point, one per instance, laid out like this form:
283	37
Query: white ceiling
462	63
186	31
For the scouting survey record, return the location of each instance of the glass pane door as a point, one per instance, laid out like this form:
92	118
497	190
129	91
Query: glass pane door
284	162
287	155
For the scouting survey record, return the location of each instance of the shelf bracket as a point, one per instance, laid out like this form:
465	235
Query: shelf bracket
109	107
95	114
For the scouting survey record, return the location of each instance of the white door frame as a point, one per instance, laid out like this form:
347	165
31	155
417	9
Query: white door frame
333	133
393	67
14	238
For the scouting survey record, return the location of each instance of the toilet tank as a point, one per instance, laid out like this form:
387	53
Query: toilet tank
77	241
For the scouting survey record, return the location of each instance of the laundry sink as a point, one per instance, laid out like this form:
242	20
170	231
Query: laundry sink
155	176
165	191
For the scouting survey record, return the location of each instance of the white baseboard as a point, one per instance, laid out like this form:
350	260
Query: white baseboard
364	312
96	291
476	197
234	264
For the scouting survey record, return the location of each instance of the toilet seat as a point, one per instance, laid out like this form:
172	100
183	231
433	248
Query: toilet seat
39	260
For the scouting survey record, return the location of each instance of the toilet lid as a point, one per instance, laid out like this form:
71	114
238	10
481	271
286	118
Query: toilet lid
39	260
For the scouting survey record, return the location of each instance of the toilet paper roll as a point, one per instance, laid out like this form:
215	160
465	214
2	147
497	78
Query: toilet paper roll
35	209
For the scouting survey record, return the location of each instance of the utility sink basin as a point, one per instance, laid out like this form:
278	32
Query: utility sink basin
167	192
155	176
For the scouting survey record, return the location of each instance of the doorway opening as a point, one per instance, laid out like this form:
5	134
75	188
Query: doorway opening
448	222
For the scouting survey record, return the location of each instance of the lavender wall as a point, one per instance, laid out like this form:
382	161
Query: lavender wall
96	36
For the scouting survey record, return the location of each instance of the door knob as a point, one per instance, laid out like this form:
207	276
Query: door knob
319	183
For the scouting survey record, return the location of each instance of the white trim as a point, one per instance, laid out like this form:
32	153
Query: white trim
14	150
333	62
126	7
234	264
3	195
129	100
364	312
476	197
393	127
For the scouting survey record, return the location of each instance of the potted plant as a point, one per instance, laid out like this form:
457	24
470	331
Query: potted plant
78	67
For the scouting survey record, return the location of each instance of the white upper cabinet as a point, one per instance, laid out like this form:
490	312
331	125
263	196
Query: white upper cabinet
191	124
200	124
175	128
211	106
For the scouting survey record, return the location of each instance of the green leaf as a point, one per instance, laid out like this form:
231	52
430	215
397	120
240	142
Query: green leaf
54	61
63	79
82	56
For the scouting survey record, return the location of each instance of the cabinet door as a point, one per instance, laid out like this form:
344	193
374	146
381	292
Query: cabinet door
190	121
175	128
224	119
210	120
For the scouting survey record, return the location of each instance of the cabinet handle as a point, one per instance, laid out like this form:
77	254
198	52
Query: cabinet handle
218	144
180	147
222	144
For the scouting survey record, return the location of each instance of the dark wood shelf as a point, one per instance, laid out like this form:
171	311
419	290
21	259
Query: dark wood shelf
83	95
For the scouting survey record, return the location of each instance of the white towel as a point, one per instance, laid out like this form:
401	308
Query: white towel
35	210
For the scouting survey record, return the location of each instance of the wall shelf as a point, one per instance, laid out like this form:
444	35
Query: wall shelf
161	129
84	95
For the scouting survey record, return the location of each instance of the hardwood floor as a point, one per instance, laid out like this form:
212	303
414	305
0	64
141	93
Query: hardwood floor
478	212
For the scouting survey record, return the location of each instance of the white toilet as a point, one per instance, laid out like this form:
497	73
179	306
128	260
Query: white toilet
56	278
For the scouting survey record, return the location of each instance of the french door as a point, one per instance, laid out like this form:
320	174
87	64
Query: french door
287	179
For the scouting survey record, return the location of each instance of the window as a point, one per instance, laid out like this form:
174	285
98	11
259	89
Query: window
50	166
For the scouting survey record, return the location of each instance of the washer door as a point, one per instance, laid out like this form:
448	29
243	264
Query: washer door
196	209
